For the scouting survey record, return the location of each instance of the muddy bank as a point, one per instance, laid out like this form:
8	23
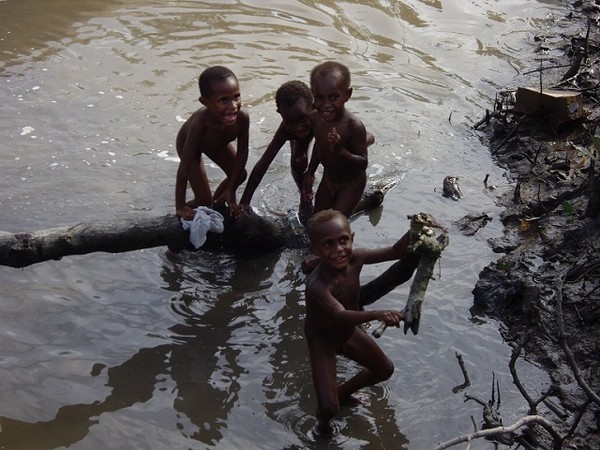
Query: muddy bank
546	286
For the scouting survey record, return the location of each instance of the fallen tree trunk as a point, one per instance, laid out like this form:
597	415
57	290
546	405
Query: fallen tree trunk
247	234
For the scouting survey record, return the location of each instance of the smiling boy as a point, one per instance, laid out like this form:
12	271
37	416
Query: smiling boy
333	315
294	102
210	131
341	141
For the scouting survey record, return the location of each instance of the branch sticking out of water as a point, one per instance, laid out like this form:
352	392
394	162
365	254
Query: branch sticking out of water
490	432
467	381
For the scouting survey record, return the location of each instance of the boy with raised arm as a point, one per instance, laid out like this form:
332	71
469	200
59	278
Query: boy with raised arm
333	315
294	102
210	131
341	141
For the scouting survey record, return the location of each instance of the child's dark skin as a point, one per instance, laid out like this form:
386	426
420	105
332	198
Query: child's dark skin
341	142
295	128
333	315
210	131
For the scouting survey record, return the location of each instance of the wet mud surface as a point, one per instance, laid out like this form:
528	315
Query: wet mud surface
545	288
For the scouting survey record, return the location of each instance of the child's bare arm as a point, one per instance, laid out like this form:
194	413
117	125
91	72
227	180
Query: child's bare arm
397	251
336	312
261	166
355	155
187	157
309	176
241	157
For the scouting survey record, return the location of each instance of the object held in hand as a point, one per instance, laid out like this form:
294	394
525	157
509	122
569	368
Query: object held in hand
423	241
377	332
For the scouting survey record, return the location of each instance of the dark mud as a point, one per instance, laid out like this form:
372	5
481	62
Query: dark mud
547	283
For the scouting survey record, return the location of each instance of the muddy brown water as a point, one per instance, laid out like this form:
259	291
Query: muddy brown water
145	350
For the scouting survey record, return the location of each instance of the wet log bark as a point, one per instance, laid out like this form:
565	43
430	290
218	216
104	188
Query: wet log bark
424	250
248	234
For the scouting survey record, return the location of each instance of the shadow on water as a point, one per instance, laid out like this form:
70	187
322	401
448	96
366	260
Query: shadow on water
214	354
203	361
199	351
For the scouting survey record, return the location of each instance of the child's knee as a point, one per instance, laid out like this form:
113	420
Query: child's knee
385	371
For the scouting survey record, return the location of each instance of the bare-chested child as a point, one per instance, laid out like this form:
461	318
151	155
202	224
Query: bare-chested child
341	141
210	131
333	315
294	102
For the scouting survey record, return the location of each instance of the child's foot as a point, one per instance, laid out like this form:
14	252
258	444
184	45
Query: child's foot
324	430
356	399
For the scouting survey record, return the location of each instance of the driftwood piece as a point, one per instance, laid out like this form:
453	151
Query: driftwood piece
428	247
248	234
423	241
493	432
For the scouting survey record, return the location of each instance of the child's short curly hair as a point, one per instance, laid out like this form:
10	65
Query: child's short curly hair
292	91
329	67
210	75
322	217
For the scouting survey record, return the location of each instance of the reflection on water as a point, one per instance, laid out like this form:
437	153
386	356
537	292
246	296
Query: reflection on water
153	350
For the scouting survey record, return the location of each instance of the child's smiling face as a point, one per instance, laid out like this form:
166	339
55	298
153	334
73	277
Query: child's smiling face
224	101
332	243
330	93
295	118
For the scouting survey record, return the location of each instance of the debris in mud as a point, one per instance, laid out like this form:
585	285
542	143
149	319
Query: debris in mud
556	106
546	286
451	189
472	223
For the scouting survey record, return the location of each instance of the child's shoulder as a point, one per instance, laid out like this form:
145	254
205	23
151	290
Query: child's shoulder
359	251
243	119
358	255
197	117
353	118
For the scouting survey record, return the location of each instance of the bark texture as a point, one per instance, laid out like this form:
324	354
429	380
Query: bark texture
249	234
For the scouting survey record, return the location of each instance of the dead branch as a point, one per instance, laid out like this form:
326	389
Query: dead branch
565	346
533	404
463	369
582	410
491	432
509	135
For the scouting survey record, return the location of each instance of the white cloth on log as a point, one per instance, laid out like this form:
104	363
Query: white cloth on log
205	220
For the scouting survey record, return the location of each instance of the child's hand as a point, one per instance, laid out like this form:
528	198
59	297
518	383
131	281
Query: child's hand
186	213
390	318
234	209
307	186
245	208
333	137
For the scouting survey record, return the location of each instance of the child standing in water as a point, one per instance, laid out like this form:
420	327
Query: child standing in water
341	141
210	131
333	315
294	103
